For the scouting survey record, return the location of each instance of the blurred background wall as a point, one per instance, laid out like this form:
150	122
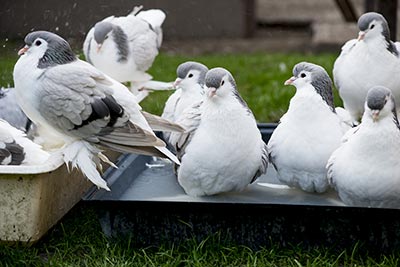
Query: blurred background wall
276	24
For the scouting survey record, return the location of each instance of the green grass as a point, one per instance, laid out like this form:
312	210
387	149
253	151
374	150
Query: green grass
78	241
8	57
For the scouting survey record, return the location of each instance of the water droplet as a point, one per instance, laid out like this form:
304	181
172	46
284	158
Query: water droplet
282	67
57	29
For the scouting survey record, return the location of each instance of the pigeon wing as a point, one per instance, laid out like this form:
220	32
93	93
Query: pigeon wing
78	101
190	120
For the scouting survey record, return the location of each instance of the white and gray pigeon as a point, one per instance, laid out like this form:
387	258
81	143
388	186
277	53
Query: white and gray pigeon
11	112
222	149
125	47
372	59
189	86
17	149
82	106
365	169
309	131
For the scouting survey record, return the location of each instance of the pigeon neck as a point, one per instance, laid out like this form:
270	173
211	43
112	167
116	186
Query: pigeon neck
51	58
383	42
121	41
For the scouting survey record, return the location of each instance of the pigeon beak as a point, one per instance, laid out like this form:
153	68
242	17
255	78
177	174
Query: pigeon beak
375	114
99	47
361	35
290	80
211	92
23	50
177	83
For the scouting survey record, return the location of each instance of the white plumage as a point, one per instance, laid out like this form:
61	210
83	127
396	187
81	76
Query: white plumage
365	169
127	50
371	60
223	149
17	149
189	84
309	131
81	106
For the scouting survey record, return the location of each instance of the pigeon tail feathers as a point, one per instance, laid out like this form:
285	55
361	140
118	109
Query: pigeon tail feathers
80	154
169	154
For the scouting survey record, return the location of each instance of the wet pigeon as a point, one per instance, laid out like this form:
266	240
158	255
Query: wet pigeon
309	131
125	47
365	169
189	84
372	59
222	150
83	107
17	149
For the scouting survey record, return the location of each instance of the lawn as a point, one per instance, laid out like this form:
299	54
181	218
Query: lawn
78	240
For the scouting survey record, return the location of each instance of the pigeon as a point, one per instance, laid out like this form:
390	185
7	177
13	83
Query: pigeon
125	47
365	169
309	131
189	84
80	105
17	149
372	59
222	149
11	112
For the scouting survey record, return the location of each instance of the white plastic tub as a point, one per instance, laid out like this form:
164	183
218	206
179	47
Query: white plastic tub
34	198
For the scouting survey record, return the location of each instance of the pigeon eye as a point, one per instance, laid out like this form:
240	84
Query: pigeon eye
190	75
372	26
222	83
38	42
303	75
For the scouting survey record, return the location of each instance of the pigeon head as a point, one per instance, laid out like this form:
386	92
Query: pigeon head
305	73
380	103
220	83
101	31
48	48
189	74
373	25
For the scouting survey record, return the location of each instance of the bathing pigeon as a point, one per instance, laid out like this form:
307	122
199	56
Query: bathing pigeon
222	149
372	59
189	84
17	149
125	47
309	131
81	106
365	169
